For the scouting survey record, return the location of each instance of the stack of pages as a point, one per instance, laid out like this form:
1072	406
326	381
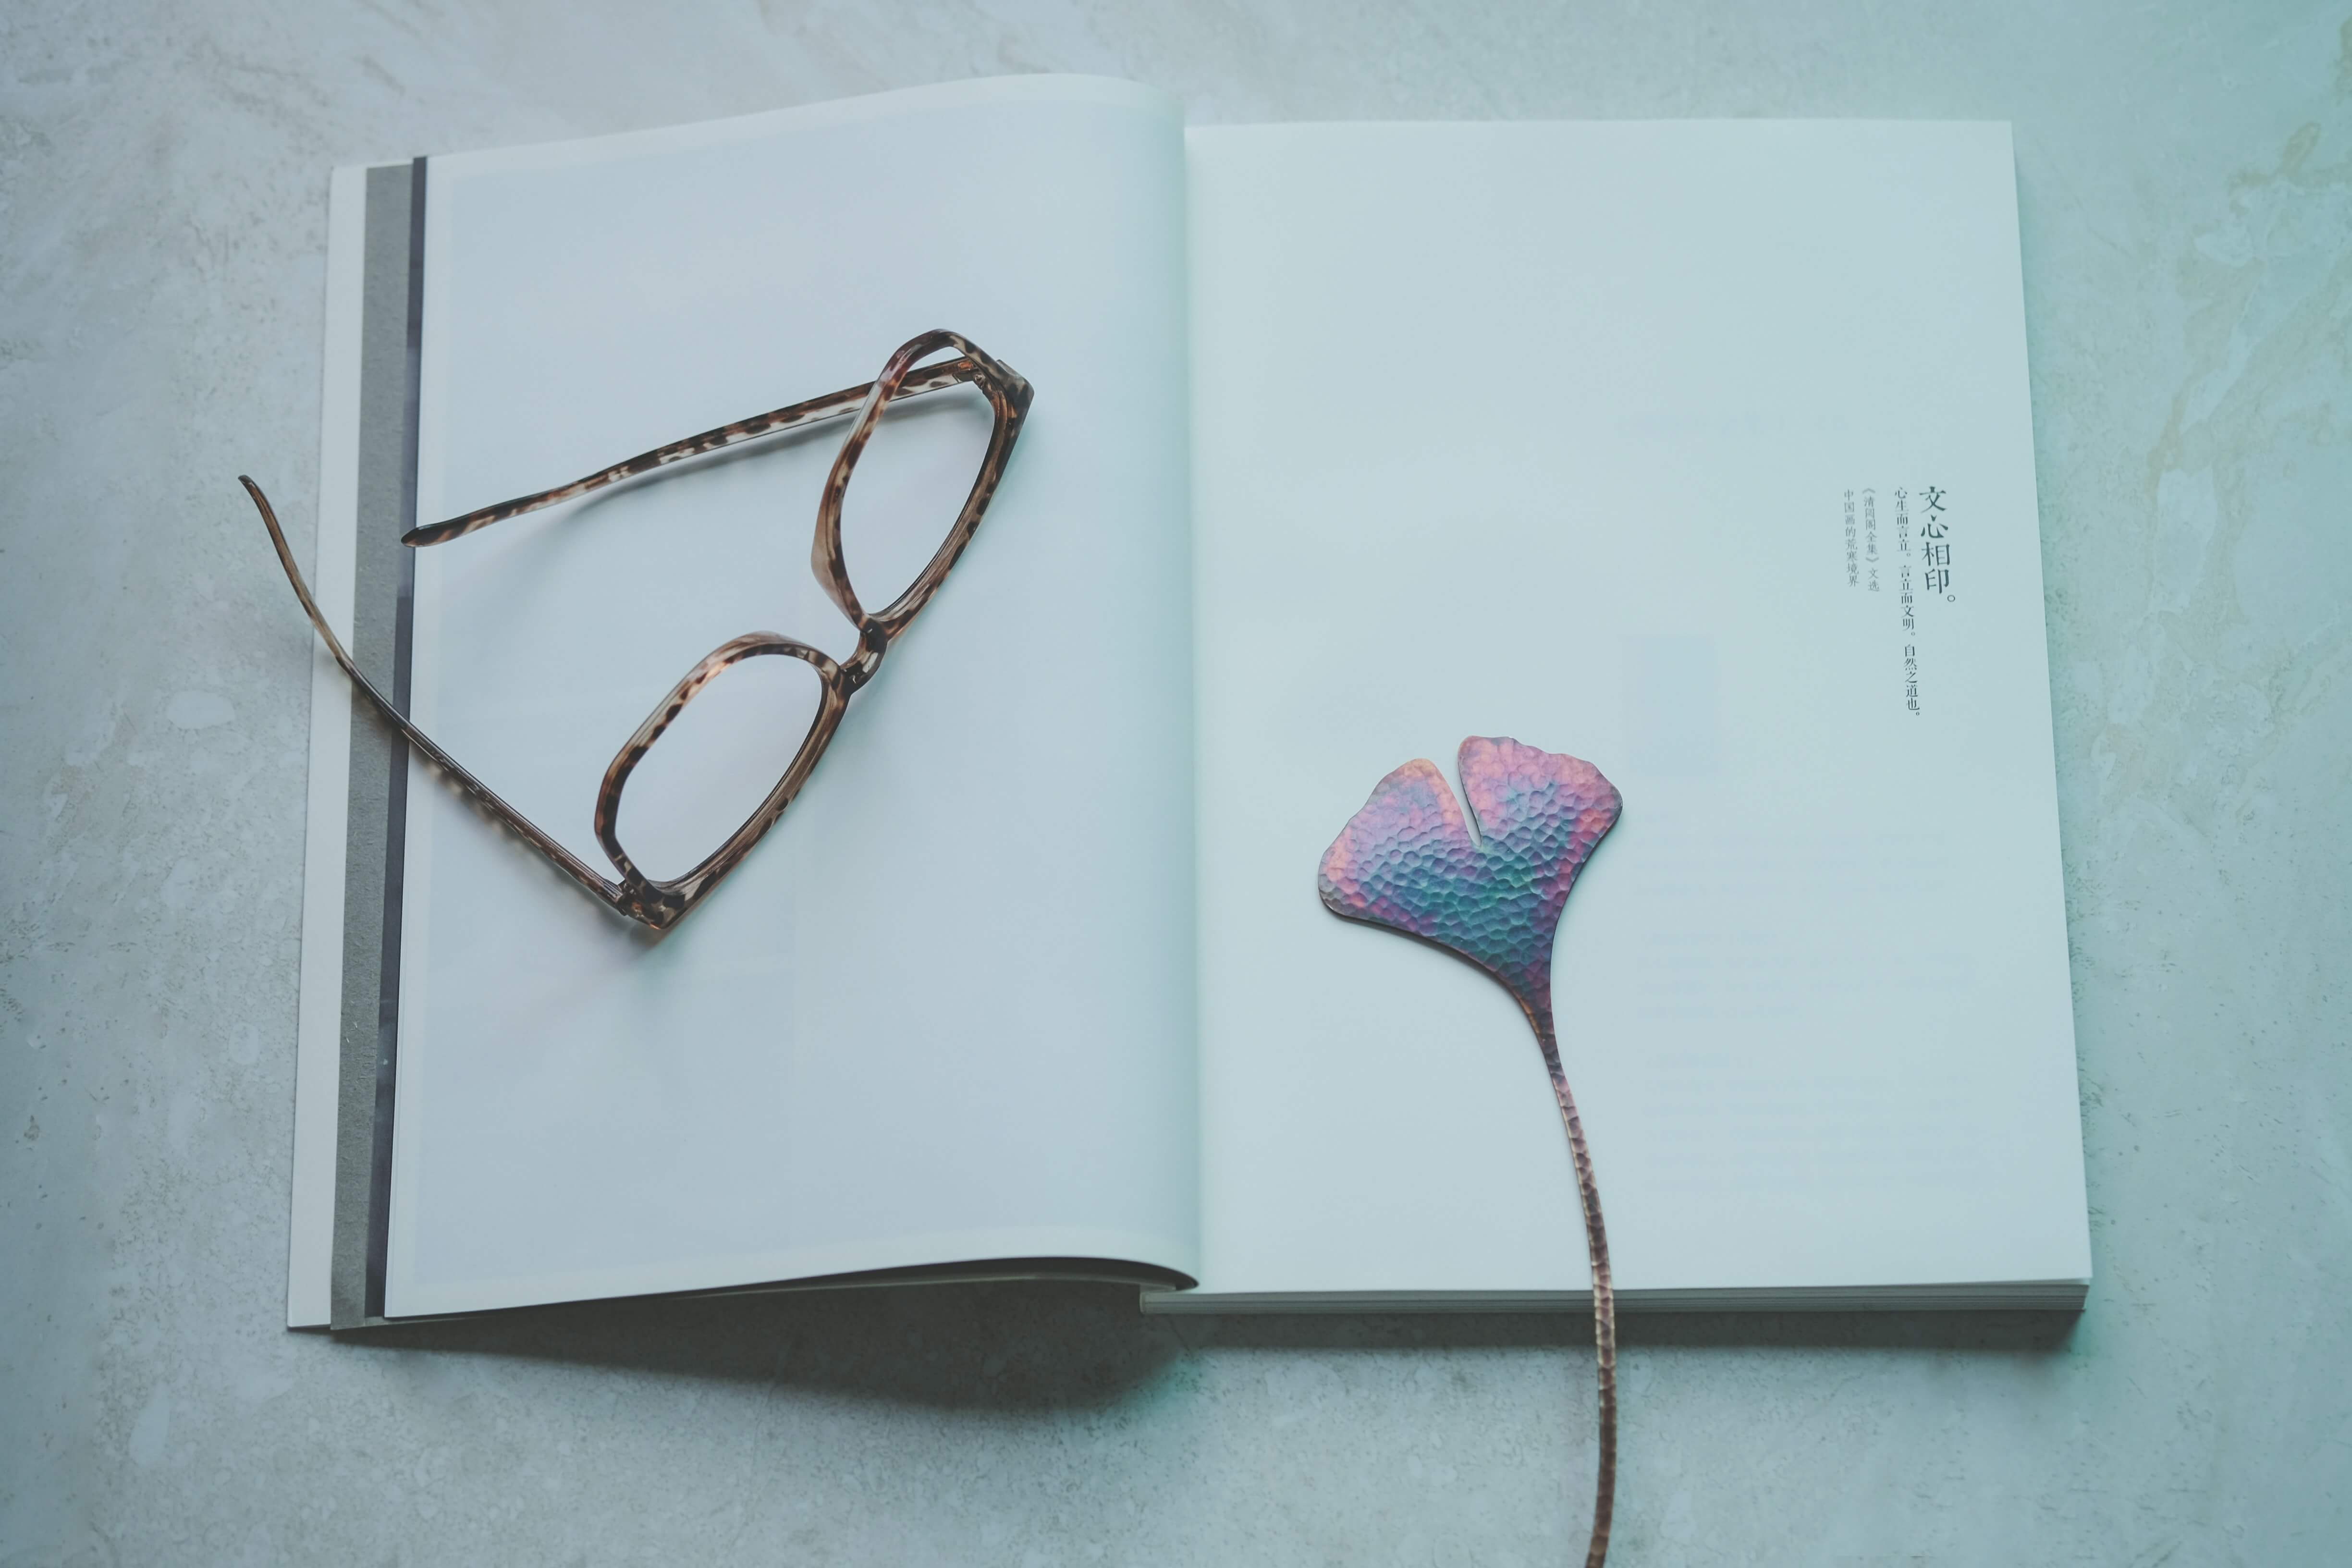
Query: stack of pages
1701	451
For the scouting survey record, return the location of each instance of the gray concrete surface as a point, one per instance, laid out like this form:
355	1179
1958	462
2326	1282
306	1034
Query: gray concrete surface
2185	176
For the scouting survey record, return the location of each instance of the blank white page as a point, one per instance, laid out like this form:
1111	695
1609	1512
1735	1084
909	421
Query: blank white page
943	1011
1547	430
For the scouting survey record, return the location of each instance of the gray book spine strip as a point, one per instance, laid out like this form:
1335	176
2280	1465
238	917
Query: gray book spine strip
384	578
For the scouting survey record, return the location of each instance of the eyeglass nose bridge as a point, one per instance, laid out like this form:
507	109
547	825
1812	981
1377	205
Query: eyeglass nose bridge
662	903
873	642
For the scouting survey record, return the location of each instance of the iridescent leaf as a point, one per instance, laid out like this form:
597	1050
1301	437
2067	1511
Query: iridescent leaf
1409	860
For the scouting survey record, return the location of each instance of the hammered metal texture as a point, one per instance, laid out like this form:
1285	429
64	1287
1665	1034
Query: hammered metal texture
1408	861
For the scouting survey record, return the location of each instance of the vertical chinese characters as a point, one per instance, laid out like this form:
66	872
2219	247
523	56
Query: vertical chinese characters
1919	521
1935	545
1870	535
1852	549
1902	555
1910	623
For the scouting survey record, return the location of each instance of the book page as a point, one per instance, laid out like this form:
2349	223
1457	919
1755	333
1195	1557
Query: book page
943	1010
1620	439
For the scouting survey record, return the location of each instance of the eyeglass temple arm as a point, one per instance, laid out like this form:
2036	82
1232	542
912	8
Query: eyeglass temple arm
815	411
571	865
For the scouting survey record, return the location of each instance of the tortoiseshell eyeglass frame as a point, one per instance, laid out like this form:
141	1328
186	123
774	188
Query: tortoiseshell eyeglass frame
658	903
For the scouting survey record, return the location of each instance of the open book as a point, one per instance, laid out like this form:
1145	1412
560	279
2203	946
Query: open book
1700	451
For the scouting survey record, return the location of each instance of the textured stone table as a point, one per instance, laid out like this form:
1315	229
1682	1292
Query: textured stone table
2186	175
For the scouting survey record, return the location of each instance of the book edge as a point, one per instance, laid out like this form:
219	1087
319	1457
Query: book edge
318	1010
1112	1254
1975	1296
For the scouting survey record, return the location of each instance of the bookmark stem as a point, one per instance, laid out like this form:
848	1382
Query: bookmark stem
1604	1296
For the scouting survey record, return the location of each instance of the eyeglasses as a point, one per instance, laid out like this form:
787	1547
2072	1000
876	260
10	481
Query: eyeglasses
658	903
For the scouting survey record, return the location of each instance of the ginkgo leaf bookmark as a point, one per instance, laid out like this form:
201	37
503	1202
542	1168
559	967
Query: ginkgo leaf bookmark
1409	861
